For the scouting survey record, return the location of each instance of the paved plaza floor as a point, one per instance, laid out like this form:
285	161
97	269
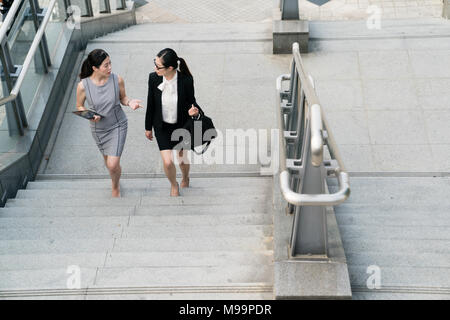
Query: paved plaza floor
193	11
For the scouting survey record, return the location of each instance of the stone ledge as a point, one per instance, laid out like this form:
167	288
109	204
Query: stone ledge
286	32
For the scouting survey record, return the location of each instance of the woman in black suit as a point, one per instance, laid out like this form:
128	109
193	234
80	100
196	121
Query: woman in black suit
170	102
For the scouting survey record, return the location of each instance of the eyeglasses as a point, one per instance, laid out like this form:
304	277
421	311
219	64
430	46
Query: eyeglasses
158	67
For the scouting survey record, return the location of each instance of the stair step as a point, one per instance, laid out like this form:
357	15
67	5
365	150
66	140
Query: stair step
158	293
402	276
192	32
136	192
16	262
183	276
369	220
401	207
110	231
82	211
402	293
167	220
142	201
390	232
188	259
194	244
249	293
223	182
411	246
57	278
398	259
170	244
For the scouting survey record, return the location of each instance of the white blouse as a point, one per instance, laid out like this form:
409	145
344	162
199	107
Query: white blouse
169	99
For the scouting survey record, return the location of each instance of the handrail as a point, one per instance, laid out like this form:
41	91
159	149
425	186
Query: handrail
34	45
317	119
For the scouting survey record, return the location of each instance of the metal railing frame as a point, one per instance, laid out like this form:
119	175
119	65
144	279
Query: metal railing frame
303	170
31	52
11	71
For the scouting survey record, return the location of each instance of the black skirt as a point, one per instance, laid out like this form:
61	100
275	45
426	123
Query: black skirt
164	136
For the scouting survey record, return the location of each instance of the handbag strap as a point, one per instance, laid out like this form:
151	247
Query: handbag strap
204	150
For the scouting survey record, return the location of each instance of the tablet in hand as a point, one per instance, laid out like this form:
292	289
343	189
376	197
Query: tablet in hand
87	114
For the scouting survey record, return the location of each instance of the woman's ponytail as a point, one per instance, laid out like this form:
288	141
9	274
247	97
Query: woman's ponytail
94	59
184	68
170	59
86	69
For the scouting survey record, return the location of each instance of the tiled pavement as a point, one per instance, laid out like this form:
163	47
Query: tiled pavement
183	11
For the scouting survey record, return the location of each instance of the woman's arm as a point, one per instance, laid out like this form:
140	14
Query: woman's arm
150	107
81	98
193	110
132	103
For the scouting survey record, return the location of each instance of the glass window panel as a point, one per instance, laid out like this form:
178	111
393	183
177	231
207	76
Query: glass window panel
119	5
103	5
81	5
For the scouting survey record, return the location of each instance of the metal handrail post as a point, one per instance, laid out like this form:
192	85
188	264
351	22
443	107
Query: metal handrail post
304	190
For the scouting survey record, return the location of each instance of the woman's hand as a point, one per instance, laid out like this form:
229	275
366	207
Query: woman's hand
193	111
134	104
96	118
149	134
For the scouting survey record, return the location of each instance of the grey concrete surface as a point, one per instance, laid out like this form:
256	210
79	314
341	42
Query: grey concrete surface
385	92
402	226
228	94
144	245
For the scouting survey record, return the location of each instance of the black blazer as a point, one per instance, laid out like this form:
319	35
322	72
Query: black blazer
186	97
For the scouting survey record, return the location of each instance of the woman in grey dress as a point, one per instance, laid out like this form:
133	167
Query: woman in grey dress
105	92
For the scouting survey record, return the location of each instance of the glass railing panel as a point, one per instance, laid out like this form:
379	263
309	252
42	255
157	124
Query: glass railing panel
21	35
20	16
31	81
55	25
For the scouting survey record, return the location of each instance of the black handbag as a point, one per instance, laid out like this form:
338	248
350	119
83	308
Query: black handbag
197	127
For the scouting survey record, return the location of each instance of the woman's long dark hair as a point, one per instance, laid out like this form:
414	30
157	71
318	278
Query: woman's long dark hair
170	59
95	59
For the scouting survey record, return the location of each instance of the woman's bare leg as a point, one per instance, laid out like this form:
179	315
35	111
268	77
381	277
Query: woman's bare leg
184	166
170	171
113	165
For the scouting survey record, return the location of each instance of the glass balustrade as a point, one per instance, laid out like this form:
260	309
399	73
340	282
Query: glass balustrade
17	43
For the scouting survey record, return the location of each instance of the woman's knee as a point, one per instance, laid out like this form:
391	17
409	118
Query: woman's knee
113	166
168	163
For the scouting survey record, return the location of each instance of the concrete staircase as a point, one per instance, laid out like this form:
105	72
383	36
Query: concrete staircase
213	242
402	226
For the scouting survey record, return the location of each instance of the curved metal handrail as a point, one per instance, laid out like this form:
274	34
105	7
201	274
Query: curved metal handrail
317	120
31	52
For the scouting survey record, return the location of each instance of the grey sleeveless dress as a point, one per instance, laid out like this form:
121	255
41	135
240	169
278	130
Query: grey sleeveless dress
110	132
